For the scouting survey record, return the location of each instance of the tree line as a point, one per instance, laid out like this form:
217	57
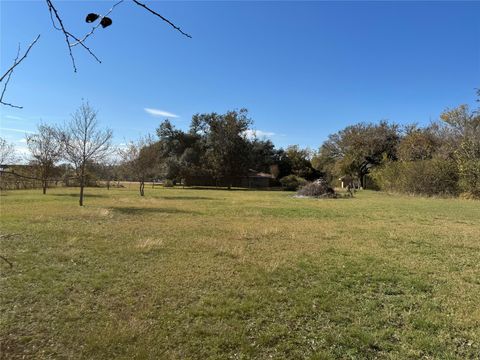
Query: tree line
442	158
218	146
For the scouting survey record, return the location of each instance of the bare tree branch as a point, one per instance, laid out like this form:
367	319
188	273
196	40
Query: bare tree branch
71	40
9	72
163	18
58	25
81	41
78	42
7	81
21	59
53	12
54	15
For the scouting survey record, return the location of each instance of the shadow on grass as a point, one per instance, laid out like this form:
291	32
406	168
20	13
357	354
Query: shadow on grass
184	198
77	195
226	189
131	210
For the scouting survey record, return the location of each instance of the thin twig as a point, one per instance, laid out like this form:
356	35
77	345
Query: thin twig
11	105
84	46
54	13
163	18
9	73
21	59
58	25
80	41
51	8
7	81
6	260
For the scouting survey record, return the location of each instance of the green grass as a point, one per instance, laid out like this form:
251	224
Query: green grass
210	274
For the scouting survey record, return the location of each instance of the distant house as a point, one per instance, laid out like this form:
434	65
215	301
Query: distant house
258	180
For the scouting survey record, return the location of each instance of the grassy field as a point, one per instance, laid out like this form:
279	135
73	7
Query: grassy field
212	274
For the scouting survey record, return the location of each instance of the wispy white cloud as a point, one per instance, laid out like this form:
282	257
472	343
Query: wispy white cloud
250	133
17	130
13	117
22	140
160	113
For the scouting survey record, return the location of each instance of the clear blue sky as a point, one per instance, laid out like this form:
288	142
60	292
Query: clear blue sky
303	69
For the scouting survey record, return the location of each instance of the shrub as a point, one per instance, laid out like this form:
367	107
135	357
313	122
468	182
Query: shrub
423	177
168	183
318	188
468	162
292	182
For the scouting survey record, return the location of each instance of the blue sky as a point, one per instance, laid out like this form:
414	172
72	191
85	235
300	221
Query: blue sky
303	69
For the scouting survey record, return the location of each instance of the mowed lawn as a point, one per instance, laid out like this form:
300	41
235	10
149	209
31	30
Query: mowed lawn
216	274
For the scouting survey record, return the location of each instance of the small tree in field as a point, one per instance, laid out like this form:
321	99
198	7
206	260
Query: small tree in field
109	170
84	142
139	160
46	150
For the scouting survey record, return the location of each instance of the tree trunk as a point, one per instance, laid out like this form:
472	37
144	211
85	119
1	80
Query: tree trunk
82	184
81	193
44	180
362	180
142	188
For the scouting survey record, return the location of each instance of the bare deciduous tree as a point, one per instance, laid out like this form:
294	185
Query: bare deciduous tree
139	159
7	152
46	150
84	142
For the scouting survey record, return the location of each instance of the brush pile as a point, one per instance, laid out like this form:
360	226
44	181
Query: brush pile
317	189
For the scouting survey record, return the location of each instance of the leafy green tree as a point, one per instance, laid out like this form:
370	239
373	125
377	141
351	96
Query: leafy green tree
357	148
283	163
418	143
261	154
225	142
300	162
183	152
464	126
